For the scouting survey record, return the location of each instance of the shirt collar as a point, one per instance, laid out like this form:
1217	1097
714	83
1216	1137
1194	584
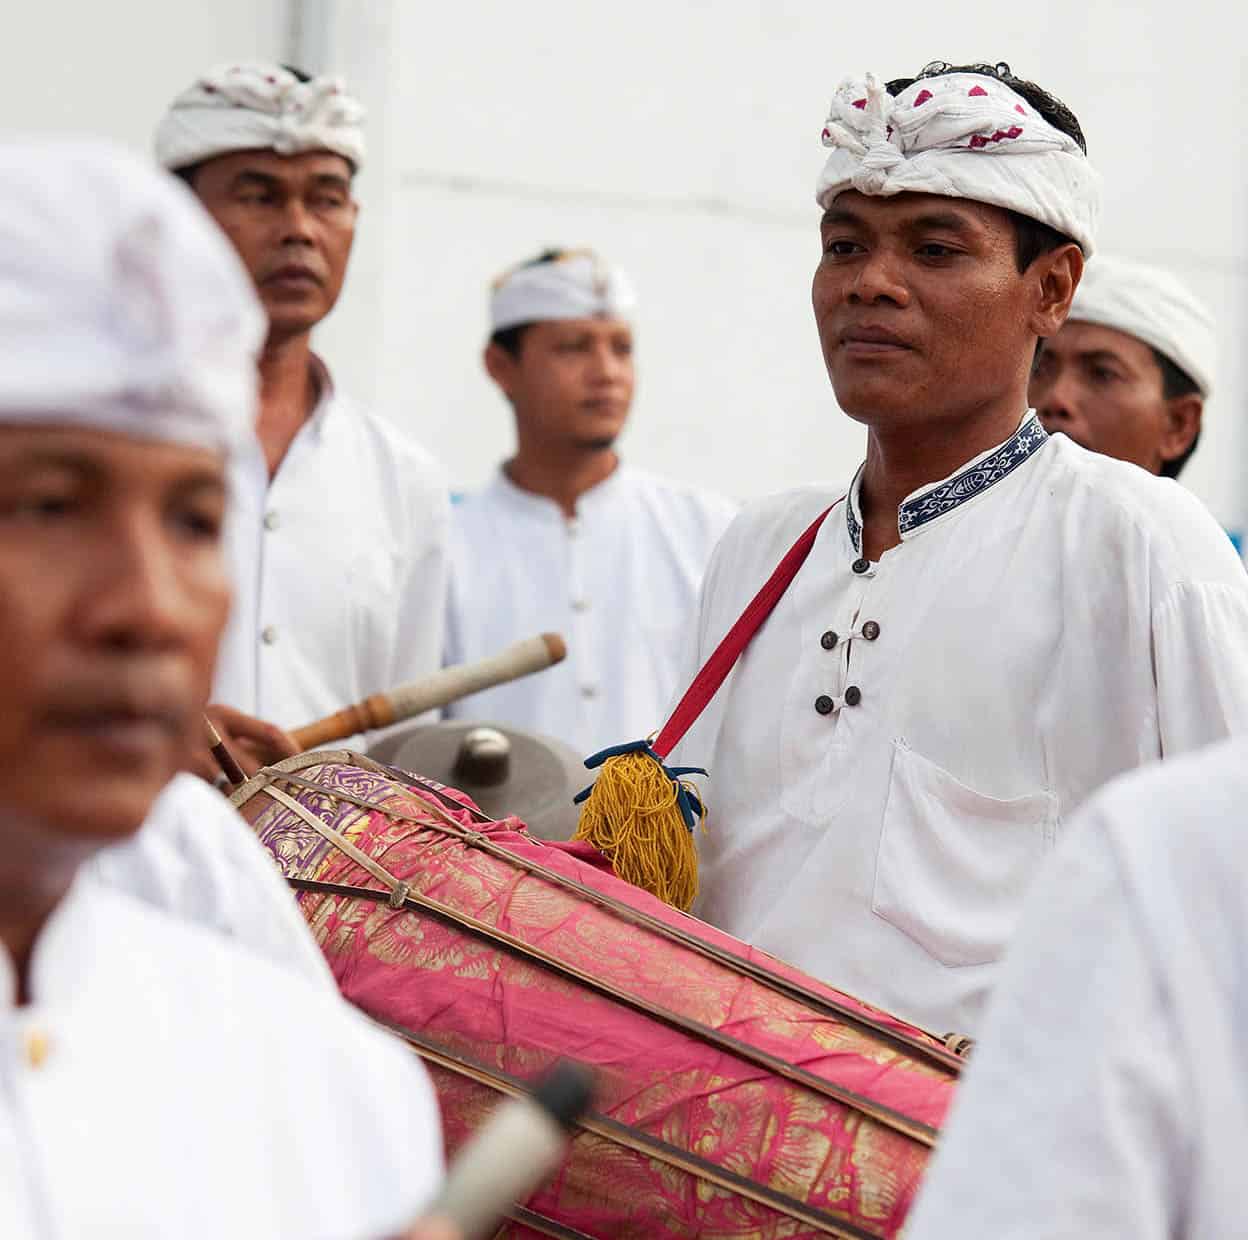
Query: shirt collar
324	393
503	486
60	961
920	508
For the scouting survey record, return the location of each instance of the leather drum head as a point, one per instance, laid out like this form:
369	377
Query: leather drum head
505	770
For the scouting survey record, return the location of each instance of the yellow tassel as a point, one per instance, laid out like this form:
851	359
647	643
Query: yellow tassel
632	818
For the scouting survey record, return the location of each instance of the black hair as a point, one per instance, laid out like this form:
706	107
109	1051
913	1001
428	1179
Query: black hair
511	339
1176	382
1031	237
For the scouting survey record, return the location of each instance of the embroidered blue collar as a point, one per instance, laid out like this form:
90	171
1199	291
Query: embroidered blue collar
973	479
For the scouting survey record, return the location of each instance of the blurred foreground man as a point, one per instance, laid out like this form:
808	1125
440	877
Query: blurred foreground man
1109	1095
566	538
990	622
339	538
1129	373
155	1080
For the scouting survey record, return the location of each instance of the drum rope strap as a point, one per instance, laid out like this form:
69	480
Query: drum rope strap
937	1055
398	890
613	1131
886	1116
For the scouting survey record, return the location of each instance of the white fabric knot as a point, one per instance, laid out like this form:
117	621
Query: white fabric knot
880	158
246	106
960	135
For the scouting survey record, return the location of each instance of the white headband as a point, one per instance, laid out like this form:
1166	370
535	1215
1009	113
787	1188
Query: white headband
245	107
960	135
122	305
1154	307
576	285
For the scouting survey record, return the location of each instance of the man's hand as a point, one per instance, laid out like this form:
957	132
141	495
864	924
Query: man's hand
253	742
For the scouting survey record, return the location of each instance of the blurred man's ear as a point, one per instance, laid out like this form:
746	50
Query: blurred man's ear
1182	425
501	366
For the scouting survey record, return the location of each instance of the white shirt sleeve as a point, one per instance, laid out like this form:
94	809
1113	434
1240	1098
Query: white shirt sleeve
1071	1119
1200	647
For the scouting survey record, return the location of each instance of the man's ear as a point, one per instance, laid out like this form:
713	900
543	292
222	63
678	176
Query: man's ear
1057	275
501	367
1181	425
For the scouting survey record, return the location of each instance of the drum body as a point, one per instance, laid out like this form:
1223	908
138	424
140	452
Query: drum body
736	1096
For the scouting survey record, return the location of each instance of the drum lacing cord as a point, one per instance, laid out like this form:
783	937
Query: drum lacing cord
399	890
639	1142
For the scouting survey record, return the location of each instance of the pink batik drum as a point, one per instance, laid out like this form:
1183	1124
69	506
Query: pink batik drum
736	1096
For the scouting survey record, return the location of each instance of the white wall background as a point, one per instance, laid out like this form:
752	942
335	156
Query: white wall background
682	141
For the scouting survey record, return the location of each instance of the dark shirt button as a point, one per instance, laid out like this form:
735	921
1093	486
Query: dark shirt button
853	695
860	565
871	630
824	704
829	640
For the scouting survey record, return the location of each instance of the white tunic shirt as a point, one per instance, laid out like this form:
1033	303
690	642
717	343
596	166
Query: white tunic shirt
164	1083
619	581
195	858
339	568
899	747
1109	1095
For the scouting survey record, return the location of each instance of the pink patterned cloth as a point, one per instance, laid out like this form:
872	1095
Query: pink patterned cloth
689	1138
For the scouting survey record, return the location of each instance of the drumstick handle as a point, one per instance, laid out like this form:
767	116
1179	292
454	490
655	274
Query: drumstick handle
440	689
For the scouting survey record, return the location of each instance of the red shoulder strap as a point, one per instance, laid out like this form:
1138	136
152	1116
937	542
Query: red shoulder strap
706	683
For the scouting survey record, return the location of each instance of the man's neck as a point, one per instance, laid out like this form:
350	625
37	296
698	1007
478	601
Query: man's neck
36	872
900	462
288	394
562	475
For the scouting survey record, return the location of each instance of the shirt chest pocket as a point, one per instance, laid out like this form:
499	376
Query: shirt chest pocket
954	864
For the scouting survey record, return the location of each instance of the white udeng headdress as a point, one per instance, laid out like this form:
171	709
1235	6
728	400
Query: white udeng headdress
122	305
575	285
243	107
1153	306
961	135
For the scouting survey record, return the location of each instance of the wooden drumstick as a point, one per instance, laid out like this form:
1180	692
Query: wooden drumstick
534	654
225	760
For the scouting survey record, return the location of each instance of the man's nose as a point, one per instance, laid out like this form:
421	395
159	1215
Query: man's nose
297	222
136	599
878	278
1054	397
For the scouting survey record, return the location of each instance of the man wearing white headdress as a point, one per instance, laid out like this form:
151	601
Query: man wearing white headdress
340	534
1130	372
156	1078
990	622
565	538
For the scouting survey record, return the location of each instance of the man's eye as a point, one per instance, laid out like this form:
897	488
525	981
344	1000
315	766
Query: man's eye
198	525
328	202
933	249
1103	374
44	508
841	249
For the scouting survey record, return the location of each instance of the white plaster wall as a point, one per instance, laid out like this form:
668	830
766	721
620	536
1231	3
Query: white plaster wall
111	68
681	139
